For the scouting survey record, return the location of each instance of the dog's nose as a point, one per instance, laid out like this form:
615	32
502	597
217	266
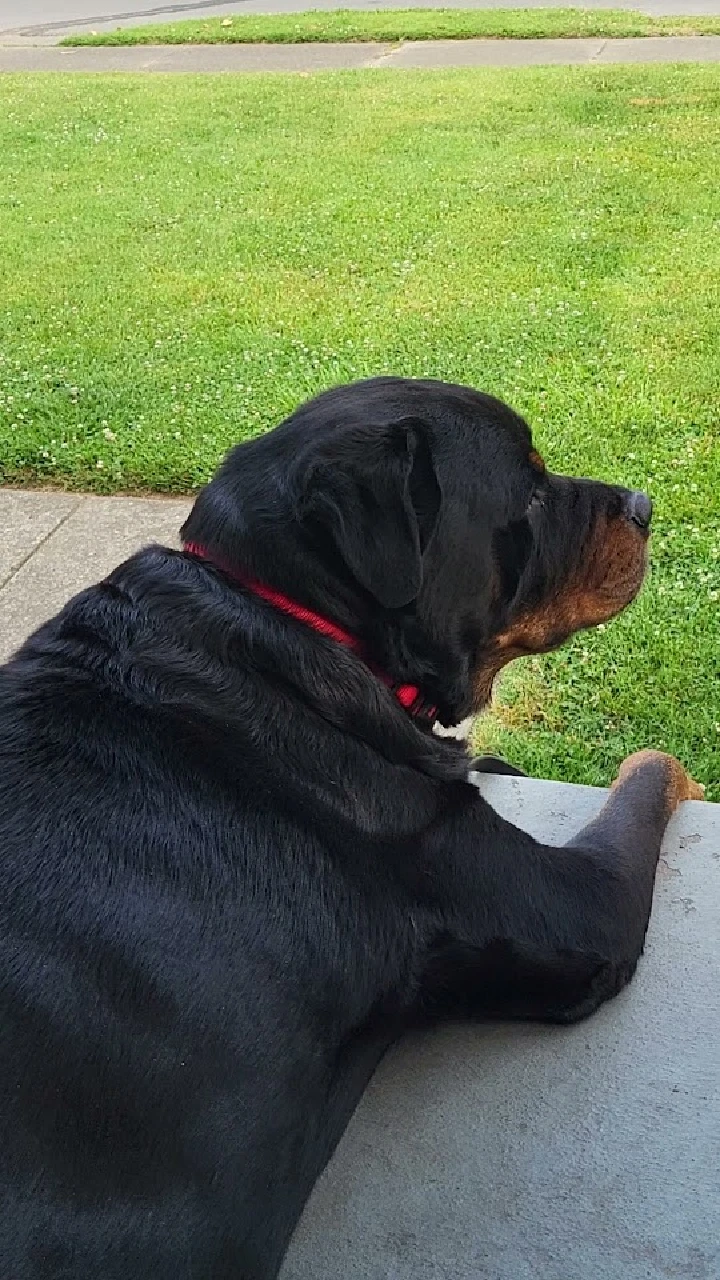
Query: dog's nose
639	509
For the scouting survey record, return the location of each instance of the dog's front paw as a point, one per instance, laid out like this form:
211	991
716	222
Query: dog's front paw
671	774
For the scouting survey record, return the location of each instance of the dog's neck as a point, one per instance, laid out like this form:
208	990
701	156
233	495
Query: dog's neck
409	696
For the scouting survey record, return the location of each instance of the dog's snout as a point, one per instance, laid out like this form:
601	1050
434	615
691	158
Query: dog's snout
639	508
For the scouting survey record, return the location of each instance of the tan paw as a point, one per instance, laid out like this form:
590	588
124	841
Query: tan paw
680	786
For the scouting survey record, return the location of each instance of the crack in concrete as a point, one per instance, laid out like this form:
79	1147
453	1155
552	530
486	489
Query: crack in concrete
386	53
16	569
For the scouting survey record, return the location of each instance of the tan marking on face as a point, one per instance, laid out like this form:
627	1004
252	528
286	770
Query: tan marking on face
611	576
537	462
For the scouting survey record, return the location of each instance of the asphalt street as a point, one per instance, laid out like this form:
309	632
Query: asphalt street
45	21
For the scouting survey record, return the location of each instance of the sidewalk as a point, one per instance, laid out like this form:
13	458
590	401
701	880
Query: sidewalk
54	544
511	1152
338	57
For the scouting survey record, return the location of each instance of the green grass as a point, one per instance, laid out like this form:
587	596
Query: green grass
318	26
184	259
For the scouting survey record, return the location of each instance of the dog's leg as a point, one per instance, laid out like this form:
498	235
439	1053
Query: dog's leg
629	828
539	932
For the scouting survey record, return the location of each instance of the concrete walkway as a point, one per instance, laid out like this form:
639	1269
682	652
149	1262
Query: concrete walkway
54	544
337	57
498	1152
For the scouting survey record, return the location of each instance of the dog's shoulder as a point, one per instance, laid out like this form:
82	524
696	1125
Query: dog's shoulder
162	678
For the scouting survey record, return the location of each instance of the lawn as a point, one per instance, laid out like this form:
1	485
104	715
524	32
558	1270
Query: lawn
184	259
392	25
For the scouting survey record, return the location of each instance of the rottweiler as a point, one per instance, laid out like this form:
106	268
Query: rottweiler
237	862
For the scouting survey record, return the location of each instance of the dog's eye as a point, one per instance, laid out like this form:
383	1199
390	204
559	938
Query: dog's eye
537	499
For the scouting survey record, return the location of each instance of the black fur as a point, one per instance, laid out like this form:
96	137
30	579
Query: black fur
493	764
233	869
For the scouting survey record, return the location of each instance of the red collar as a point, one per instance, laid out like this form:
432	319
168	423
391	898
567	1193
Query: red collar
408	695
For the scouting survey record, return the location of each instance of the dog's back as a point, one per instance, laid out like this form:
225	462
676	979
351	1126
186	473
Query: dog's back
175	943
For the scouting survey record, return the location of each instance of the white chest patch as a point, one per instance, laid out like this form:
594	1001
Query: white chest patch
458	731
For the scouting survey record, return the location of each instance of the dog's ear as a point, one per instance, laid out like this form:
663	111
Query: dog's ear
378	498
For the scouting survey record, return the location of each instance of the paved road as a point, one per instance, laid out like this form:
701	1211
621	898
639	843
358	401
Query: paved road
340	57
50	19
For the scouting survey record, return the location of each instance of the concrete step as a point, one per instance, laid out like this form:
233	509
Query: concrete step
519	1152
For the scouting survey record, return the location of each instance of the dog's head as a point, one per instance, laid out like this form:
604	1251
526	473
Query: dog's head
419	514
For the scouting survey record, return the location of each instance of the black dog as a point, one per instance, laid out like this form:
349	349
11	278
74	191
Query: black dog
235	862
